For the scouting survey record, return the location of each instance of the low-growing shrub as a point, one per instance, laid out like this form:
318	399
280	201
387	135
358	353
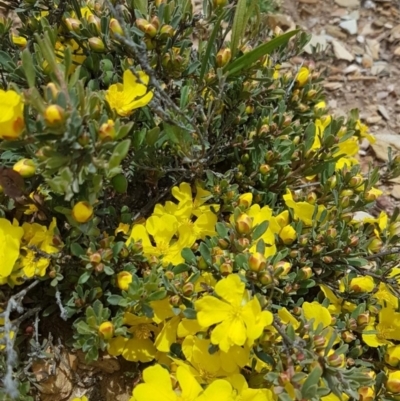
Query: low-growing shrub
185	201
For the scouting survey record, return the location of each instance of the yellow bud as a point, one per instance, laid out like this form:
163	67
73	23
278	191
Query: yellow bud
25	167
363	319
264	169
335	360
244	224
302	76
375	245
188	289
167	31
288	235
366	394
53	89
124	278
392	356
220	3
393	382
115	27
257	262
223	57
82	212
93	19
282	268
20	41
54	115
245	200
306	272
107	131
106	330
97	45
73	24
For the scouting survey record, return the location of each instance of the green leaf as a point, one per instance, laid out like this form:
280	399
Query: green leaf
182	267
76	249
210	45
259	230
29	69
309	135
84	277
119	153
141	5
157	295
114	299
221	230
249	58
188	255
311	382
83	328
238	26
205	253
189	313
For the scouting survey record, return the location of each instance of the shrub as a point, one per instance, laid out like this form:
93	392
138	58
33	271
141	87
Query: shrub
190	205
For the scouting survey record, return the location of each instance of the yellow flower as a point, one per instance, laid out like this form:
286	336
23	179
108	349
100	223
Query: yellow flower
2	339
388	328
204	224
10	241
362	284
130	95
236	320
140	346
122	228
162	229
11	115
363	131
217	364
318	313
287	318
385	297
288	235
243	392
302	76
82	212
320	126
336	304
157	386
303	211
25	167
33	265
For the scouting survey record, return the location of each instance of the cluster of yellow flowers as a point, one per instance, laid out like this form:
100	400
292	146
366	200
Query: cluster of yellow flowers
26	250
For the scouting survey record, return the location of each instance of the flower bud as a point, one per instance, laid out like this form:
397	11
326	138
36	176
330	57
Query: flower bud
25	167
366	394
82	212
372	195
54	115
392	356
356	181
95	258
344	202
306	272
93	19
107	131
106	330
220	3
175	300
288	235
264	169
265	278
375	245
53	90
124	278
362	320
332	182
257	262
317	249
327	259
348	337
319	341
97	45
115	27
282	268
242	244
201	263
226	269
73	24
331	233
223	57
335	360
167	31
393	382
244	224
188	289
312	198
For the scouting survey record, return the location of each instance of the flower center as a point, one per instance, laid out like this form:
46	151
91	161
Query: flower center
143	331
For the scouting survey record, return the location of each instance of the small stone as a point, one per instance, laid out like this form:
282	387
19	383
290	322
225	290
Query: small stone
348	3
367	61
341	52
350	26
360	39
